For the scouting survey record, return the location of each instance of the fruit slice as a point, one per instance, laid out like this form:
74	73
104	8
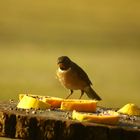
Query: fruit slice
105	119
130	109
66	104
28	102
53	101
79	105
31	95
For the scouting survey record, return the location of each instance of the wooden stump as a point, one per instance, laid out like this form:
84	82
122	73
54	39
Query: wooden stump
58	125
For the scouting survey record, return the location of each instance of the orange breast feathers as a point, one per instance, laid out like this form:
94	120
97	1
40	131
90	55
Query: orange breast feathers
70	79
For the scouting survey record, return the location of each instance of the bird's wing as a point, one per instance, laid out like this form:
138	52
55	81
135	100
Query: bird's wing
81	73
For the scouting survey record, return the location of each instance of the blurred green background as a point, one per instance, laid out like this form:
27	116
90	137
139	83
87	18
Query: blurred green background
103	37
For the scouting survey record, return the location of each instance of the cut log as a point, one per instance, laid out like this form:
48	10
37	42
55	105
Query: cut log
58	125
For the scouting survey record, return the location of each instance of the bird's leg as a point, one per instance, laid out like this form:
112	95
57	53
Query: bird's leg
82	93
71	91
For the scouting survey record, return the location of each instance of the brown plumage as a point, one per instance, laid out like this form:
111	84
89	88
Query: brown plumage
73	77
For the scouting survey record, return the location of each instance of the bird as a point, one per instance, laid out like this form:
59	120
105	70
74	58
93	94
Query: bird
73	77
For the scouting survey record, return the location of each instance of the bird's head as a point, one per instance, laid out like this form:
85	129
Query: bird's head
63	62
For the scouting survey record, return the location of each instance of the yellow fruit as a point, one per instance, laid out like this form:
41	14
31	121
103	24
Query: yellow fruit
31	95
28	102
53	101
66	104
79	105
105	119
130	109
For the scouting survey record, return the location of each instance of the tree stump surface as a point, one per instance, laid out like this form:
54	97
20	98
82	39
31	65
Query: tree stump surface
55	124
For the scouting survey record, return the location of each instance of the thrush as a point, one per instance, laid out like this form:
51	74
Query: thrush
73	77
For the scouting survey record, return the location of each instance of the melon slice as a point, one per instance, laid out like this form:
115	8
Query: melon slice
100	118
79	105
53	101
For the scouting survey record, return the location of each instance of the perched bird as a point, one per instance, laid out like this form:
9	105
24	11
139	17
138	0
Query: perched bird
72	77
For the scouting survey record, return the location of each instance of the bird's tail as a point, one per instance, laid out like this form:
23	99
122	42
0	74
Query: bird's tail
91	93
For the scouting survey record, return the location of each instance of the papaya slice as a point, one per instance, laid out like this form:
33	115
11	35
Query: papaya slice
28	102
53	101
79	105
130	109
100	118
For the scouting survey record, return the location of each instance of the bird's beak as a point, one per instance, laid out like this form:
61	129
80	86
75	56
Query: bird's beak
60	64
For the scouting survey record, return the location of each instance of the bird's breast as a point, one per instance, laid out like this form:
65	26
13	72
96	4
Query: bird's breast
70	79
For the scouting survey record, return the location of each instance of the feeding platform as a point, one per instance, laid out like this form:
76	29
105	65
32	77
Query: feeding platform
55	124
